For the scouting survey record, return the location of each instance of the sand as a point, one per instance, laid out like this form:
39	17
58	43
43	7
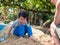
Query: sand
43	39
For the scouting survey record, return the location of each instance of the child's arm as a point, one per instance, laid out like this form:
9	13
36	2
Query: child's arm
5	36
8	33
14	25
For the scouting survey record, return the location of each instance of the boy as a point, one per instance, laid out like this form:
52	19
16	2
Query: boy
20	27
56	22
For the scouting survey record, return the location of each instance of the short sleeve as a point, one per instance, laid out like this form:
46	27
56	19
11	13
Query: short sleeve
14	23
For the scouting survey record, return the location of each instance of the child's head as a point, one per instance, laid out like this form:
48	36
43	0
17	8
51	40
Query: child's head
22	16
54	1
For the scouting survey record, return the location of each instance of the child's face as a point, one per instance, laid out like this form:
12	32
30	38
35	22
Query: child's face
22	20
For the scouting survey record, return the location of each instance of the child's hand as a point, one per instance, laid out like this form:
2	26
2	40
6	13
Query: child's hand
25	22
3	38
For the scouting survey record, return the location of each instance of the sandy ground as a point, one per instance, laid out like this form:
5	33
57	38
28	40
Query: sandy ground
43	39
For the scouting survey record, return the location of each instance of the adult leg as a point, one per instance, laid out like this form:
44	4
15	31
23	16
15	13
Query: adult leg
55	38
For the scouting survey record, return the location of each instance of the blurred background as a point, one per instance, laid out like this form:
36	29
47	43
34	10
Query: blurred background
40	12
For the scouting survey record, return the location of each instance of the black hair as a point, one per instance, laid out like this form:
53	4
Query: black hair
24	14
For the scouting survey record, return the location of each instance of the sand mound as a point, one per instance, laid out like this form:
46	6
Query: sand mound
44	39
13	40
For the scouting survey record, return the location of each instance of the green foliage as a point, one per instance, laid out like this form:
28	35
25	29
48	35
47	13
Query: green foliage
31	14
12	17
40	5
7	21
40	15
47	17
47	23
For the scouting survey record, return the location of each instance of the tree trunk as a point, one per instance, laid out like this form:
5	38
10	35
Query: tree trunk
28	18
4	12
35	17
